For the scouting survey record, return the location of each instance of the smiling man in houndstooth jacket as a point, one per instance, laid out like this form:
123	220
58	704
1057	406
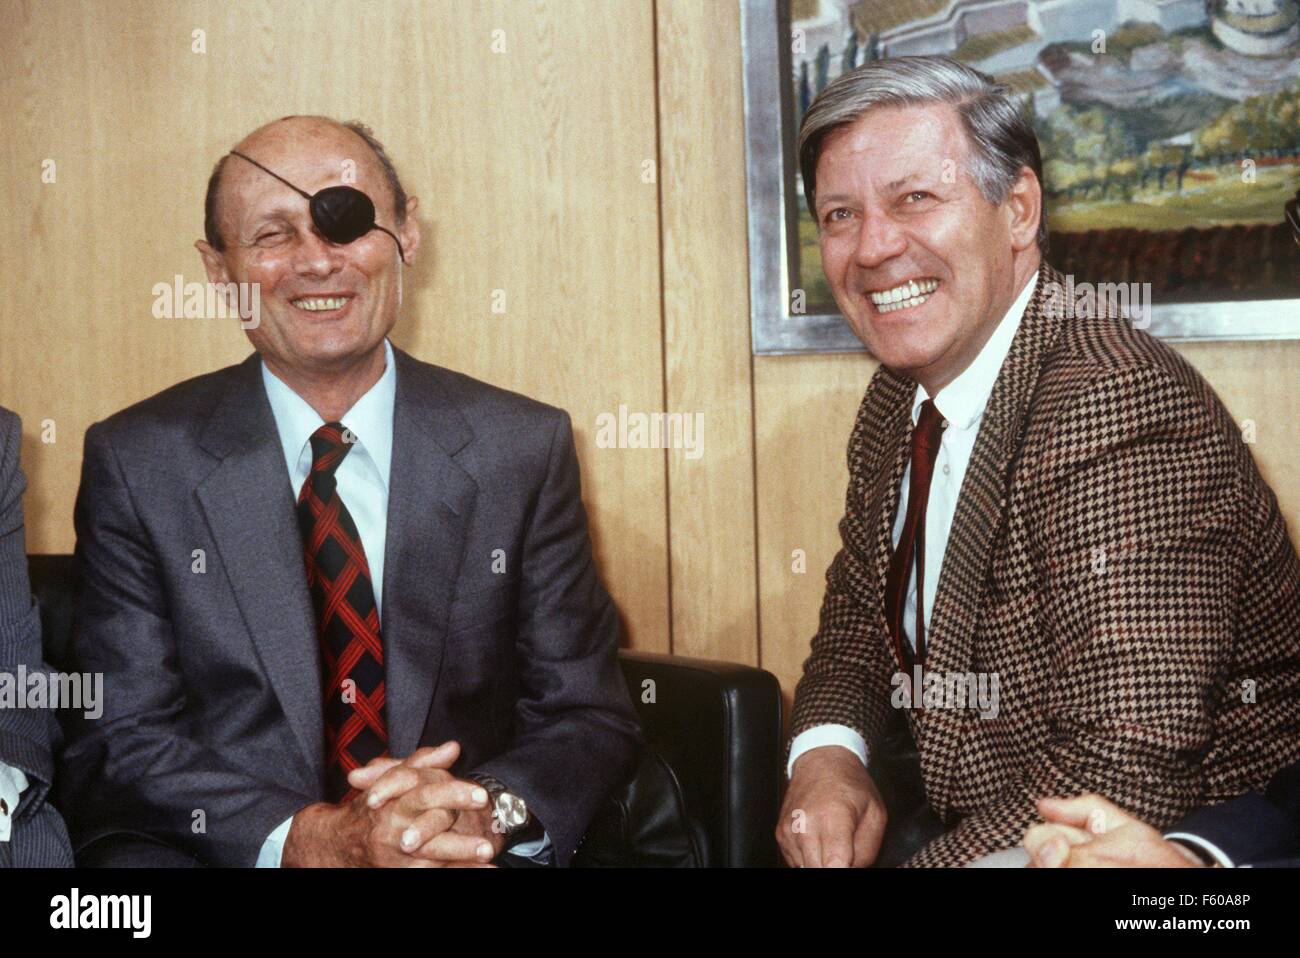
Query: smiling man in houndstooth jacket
1042	498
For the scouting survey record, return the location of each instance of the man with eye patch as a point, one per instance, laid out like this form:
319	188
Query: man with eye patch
1045	503
344	601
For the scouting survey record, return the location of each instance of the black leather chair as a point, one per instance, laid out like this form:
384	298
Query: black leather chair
706	788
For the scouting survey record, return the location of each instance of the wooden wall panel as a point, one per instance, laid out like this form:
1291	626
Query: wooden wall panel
803	409
706	339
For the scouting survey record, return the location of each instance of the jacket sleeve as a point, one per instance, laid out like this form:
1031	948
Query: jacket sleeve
26	735
136	769
575	729
1141	526
1254	828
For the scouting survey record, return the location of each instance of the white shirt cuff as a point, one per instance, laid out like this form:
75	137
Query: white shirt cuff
12	785
273	847
821	735
537	848
1214	851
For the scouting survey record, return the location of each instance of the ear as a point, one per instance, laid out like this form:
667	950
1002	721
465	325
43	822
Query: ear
213	262
218	274
410	230
1024	208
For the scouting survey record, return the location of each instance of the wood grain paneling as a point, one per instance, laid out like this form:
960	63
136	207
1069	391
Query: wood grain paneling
804	409
706	338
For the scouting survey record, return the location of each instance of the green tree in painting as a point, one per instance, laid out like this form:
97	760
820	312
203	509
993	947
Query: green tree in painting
850	59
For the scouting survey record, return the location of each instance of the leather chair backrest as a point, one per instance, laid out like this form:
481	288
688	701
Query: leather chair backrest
717	727
54	580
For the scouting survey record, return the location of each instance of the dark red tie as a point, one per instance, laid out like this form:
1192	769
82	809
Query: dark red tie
346	619
911	542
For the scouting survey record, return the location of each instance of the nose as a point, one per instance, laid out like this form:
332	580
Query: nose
880	239
317	256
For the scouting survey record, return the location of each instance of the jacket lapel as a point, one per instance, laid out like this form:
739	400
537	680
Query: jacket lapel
887	456
885	418
249	507
981	512
430	503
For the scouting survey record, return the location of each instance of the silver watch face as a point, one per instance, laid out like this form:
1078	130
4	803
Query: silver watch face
511	810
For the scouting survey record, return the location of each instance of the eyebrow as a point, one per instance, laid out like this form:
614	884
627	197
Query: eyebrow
831	198
895	184
889	187
276	212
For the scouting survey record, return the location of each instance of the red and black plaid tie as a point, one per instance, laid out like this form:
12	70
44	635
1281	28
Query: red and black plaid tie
911	542
346	619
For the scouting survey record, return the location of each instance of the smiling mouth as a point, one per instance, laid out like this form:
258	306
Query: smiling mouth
321	304
904	296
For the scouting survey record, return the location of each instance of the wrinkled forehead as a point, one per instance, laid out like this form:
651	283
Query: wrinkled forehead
311	156
890	141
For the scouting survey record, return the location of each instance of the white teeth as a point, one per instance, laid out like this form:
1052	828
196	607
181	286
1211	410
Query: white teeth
911	293
905	304
319	303
909	290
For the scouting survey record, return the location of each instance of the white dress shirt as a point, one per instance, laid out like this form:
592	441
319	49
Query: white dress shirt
363	482
961	403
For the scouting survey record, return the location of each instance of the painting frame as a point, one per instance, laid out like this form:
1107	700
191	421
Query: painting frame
779	329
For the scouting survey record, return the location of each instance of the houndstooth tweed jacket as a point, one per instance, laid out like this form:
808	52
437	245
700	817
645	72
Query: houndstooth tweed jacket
1115	558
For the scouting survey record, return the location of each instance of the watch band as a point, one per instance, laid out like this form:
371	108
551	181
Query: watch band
527	830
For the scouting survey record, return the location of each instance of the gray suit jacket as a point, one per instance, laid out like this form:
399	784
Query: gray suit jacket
212	732
27	736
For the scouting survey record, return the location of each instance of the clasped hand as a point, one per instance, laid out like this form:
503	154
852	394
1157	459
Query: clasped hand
410	813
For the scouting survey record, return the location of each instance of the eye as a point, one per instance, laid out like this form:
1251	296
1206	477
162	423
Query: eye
834	216
921	193
271	238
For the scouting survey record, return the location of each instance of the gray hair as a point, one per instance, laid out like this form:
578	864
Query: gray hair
1001	139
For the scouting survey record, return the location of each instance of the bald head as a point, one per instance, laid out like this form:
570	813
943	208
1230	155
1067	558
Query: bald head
293	141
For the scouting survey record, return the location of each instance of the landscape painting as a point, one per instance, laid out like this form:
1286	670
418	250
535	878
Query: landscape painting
1170	133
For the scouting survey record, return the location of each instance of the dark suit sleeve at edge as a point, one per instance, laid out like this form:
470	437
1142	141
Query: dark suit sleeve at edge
1252	827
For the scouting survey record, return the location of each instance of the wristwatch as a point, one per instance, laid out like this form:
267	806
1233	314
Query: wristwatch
510	814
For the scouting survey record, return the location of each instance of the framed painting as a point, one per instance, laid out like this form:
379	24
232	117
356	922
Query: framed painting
1170	134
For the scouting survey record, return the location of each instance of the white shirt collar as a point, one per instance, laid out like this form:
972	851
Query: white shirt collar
370	419
962	401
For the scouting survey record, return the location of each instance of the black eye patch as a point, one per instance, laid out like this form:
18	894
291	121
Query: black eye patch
341	214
